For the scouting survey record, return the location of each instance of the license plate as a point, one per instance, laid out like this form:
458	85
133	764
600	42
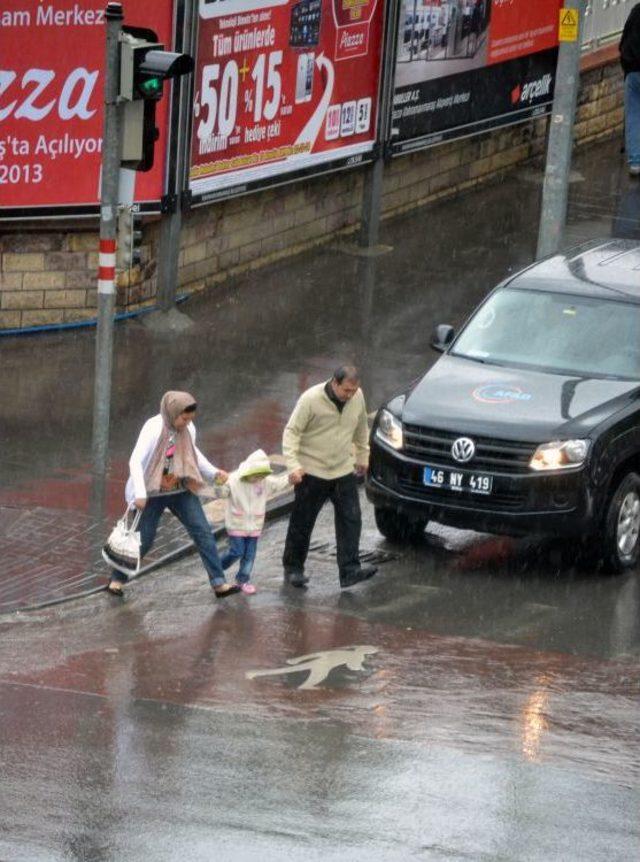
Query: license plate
457	480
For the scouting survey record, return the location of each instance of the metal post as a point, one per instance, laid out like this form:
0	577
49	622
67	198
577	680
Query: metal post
111	148
171	223
372	183
168	250
555	191
371	200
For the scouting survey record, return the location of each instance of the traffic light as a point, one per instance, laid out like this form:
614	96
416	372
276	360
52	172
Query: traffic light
144	67
128	241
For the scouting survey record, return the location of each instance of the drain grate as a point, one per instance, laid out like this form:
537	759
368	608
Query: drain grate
374	556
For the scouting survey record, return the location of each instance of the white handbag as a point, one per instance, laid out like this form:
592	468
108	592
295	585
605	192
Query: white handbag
122	548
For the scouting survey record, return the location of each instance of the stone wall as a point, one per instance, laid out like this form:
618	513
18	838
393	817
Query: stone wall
47	277
48	274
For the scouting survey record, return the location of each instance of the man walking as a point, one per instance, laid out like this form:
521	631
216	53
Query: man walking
329	420
630	61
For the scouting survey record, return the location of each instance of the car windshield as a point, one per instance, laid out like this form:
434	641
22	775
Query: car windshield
555	332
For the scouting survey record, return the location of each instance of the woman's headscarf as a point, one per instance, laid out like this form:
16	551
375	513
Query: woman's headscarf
185	461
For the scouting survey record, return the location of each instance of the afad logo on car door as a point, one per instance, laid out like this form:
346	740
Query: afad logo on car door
281	86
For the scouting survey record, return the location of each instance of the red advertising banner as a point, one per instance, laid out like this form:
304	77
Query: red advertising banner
466	66
51	96
282	86
520	28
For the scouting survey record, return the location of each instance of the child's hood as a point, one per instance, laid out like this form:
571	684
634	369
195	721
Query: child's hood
257	464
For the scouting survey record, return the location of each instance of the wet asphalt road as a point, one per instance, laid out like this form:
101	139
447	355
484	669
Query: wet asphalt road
497	720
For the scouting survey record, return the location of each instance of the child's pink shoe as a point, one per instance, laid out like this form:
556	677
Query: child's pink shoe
248	589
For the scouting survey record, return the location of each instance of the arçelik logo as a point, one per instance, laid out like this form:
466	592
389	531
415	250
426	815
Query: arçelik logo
531	90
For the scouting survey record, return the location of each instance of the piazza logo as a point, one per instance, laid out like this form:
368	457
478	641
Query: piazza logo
499	393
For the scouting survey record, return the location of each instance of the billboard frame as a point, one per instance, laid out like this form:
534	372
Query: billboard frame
89	212
395	146
191	200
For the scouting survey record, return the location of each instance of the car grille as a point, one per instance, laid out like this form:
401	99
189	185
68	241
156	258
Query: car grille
505	500
492	455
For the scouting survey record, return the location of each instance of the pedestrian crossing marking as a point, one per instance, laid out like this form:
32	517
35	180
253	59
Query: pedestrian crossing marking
319	665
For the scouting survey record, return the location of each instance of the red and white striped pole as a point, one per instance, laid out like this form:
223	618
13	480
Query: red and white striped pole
107	266
111	152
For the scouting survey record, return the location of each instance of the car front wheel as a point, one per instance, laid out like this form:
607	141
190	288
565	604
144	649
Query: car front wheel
398	528
620	538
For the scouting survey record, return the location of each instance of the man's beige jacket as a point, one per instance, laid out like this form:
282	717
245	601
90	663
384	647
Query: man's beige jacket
321	440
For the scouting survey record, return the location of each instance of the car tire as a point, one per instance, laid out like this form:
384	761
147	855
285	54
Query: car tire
398	528
620	534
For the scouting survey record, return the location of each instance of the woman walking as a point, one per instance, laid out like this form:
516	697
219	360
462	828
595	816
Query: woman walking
166	469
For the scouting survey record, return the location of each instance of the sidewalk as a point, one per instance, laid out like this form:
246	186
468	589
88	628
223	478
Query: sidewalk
252	350
67	562
49	555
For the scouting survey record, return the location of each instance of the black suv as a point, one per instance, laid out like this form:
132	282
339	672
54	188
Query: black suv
530	421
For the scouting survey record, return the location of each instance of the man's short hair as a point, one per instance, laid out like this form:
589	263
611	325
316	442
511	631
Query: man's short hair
346	372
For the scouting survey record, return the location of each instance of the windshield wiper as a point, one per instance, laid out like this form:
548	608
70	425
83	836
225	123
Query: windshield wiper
471	358
487	361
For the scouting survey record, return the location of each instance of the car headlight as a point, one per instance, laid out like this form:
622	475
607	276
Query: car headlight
559	455
389	429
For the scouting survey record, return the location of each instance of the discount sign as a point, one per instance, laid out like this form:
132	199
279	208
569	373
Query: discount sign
51	98
282	86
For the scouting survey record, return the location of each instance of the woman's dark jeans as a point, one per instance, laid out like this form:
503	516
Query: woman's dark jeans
188	510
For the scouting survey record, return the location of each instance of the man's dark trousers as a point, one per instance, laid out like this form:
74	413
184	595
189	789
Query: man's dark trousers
310	496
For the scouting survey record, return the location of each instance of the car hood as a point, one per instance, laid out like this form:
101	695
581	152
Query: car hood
464	396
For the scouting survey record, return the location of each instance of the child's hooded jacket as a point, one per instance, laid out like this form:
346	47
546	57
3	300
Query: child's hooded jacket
246	502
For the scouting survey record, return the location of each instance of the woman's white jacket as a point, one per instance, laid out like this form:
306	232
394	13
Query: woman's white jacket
142	452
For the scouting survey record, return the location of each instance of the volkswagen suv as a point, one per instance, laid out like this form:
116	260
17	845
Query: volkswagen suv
529	423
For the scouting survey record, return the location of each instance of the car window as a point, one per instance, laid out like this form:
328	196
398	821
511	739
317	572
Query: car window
555	332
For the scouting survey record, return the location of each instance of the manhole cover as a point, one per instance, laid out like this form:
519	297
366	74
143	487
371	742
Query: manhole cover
372	556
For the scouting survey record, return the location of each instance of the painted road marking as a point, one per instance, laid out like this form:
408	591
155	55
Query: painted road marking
320	664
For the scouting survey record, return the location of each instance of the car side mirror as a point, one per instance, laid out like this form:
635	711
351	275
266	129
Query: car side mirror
442	336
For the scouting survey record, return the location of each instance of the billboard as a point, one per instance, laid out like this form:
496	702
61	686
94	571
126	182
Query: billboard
282	88
465	66
51	95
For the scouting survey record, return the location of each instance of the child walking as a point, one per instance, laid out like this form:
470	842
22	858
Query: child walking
247	492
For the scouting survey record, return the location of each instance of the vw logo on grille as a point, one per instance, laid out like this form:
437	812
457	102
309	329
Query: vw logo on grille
463	449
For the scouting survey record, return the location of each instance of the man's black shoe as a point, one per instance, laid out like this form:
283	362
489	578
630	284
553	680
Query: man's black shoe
362	574
295	579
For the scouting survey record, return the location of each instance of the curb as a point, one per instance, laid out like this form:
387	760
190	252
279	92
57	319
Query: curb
279	507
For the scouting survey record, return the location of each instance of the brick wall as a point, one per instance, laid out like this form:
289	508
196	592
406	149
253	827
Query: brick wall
600	102
48	276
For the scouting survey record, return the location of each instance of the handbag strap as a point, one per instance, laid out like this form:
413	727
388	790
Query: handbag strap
136	518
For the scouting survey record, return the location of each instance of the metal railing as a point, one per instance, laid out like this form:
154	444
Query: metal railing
604	21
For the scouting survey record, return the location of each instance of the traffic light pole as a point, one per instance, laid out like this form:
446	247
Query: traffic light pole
111	148
555	192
